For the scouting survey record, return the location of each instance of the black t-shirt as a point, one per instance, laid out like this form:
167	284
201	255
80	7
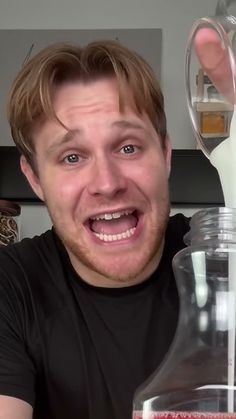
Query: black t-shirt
73	350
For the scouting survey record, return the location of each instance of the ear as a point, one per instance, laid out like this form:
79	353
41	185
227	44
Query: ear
32	177
168	152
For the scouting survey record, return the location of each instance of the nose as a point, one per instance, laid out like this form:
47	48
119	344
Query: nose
106	178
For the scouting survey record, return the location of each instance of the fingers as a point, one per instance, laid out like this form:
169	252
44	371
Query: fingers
214	60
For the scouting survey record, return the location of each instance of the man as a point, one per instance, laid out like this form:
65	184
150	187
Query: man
88	310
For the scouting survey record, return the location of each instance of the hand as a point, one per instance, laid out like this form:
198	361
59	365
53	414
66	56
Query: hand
214	61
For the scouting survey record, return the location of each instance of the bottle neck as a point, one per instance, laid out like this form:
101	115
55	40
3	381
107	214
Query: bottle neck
212	224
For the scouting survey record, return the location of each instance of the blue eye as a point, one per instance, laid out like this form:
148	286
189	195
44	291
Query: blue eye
129	149
72	158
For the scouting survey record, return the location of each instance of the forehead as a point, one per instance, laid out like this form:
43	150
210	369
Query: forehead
80	105
89	95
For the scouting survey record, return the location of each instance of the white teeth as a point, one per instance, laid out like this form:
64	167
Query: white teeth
116	215
115	237
110	216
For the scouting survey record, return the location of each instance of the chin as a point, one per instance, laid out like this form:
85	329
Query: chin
131	261
119	267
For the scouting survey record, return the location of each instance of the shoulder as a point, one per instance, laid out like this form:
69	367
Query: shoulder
31	271
178	224
28	251
177	227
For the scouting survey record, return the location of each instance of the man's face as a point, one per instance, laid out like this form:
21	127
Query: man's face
105	183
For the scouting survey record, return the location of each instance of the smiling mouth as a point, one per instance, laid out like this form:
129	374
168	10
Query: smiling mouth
114	226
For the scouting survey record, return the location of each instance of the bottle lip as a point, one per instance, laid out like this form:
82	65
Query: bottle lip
211	211
9	208
212	223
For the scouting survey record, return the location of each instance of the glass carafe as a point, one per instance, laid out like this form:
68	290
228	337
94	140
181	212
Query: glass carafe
210	76
197	378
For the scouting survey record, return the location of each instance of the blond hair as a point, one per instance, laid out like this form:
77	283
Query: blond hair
30	97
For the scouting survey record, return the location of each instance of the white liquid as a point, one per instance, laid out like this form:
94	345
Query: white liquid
223	157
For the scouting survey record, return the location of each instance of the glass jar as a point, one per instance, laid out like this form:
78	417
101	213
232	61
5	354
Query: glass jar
197	377
9	222
211	46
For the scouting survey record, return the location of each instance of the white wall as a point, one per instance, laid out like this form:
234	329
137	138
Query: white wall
175	17
34	220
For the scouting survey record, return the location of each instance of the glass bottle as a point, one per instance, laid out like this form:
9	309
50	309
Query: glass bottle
211	48
9	222
197	378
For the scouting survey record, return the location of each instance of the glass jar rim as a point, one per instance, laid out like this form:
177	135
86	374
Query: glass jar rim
211	211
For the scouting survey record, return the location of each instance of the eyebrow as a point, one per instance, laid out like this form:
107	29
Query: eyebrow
69	136
123	123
